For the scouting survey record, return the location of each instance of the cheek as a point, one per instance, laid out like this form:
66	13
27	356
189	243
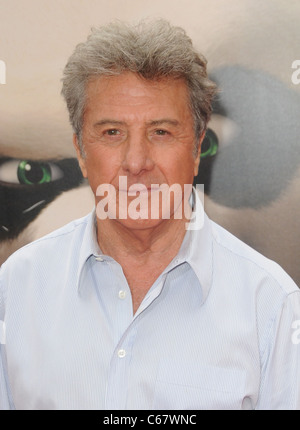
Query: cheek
196	165
179	170
83	167
101	167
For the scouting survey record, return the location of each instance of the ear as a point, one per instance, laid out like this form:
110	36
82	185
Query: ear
198	155
80	157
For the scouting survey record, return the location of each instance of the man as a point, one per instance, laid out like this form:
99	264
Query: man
144	305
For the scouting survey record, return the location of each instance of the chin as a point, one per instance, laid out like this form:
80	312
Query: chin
141	224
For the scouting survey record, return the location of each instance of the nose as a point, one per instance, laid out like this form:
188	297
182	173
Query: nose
137	155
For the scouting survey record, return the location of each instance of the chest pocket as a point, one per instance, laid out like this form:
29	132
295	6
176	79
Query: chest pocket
180	385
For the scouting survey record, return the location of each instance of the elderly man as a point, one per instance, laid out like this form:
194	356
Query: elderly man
141	305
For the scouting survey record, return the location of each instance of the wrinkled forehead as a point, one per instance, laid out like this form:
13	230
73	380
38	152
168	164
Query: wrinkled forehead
131	87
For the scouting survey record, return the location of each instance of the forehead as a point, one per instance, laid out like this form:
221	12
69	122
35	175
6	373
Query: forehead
131	91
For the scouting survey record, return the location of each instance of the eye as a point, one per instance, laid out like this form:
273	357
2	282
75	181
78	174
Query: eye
112	136
210	144
28	186
25	172
161	132
113	132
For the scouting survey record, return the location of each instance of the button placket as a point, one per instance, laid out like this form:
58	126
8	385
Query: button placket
119	371
122	294
121	353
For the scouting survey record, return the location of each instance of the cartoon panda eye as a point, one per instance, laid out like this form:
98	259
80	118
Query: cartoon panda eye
25	172
210	144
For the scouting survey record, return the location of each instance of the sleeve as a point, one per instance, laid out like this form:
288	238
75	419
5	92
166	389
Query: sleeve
280	367
5	401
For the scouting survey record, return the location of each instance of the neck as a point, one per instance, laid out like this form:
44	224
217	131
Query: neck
140	244
142	252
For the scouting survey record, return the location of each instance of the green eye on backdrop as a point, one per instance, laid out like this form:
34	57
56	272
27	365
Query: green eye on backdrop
30	173
25	172
28	186
210	144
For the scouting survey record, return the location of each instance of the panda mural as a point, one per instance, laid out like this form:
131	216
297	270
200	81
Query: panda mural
28	186
252	178
250	163
251	155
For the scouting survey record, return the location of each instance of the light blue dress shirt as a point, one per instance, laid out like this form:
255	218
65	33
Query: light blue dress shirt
217	330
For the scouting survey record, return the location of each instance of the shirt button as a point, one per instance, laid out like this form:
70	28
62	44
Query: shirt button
122	294
99	258
121	353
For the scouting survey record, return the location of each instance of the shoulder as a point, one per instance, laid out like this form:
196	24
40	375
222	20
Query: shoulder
43	267
252	265
53	242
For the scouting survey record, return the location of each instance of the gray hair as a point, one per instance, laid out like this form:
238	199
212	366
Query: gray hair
153	49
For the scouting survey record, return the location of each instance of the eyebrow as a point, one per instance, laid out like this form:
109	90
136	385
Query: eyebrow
109	121
155	122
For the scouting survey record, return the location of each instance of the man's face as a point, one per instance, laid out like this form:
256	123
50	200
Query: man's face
141	130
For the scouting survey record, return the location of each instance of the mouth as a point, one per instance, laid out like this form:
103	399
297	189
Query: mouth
133	189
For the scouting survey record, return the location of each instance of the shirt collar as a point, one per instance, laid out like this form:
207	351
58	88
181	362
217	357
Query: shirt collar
196	248
89	245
